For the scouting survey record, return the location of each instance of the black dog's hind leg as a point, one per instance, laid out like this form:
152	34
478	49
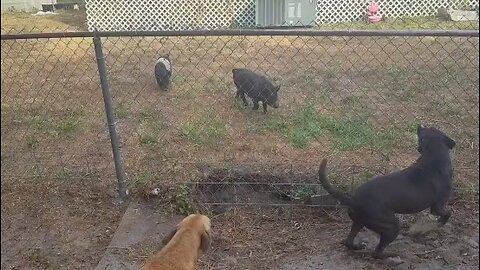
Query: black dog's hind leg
264	107
388	229
356	227
440	211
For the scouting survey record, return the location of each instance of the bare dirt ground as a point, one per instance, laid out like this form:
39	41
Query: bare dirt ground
311	239
48	224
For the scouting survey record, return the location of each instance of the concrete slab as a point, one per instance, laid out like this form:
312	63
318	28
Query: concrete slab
140	224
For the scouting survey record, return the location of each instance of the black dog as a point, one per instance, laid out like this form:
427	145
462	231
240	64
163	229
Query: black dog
427	183
257	87
163	71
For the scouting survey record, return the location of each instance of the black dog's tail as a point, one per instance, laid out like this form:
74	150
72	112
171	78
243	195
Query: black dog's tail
337	194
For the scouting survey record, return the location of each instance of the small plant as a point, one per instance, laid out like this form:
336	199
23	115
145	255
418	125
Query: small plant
67	126
147	138
150	126
31	141
204	131
180	200
121	111
304	192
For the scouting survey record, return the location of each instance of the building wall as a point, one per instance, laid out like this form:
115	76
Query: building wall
23	5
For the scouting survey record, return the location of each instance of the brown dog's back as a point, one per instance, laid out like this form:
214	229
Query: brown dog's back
185	244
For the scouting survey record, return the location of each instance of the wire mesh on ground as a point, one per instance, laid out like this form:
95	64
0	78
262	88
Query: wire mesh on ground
353	99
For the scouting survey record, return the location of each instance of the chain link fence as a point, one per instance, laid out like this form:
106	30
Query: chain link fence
354	97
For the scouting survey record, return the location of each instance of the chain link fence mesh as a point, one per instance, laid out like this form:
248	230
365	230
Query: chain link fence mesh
52	110
353	99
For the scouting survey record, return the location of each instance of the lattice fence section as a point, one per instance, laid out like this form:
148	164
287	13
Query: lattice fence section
354	10
125	15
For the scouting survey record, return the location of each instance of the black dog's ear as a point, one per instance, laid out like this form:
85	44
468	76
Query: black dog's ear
420	127
449	142
169	236
205	241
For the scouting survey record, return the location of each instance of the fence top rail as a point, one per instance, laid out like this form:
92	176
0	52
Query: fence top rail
249	32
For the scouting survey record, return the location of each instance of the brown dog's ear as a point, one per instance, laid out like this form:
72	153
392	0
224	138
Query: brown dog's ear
169	236
205	241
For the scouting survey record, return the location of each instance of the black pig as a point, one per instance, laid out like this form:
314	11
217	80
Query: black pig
257	87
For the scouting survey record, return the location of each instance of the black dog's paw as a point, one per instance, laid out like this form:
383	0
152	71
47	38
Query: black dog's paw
353	246
395	260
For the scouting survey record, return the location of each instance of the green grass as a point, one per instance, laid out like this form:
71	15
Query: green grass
121	111
204	130
347	134
148	138
57	126
151	126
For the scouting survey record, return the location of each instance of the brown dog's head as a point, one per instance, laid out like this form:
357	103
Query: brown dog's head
431	138
200	224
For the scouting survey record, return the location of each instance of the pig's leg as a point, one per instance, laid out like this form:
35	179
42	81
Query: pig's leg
264	107
242	95
255	104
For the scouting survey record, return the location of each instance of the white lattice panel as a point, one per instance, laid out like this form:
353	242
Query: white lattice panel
117	15
335	11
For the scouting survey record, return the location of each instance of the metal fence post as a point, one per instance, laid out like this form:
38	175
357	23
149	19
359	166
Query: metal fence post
107	99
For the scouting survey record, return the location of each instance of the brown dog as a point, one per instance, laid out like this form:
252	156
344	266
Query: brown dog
184	245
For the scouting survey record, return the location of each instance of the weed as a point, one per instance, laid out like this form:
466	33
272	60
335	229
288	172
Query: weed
143	179
121	111
150	126
180	200
304	192
147	138
32	141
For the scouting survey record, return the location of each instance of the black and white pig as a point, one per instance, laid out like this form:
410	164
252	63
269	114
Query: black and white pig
163	71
